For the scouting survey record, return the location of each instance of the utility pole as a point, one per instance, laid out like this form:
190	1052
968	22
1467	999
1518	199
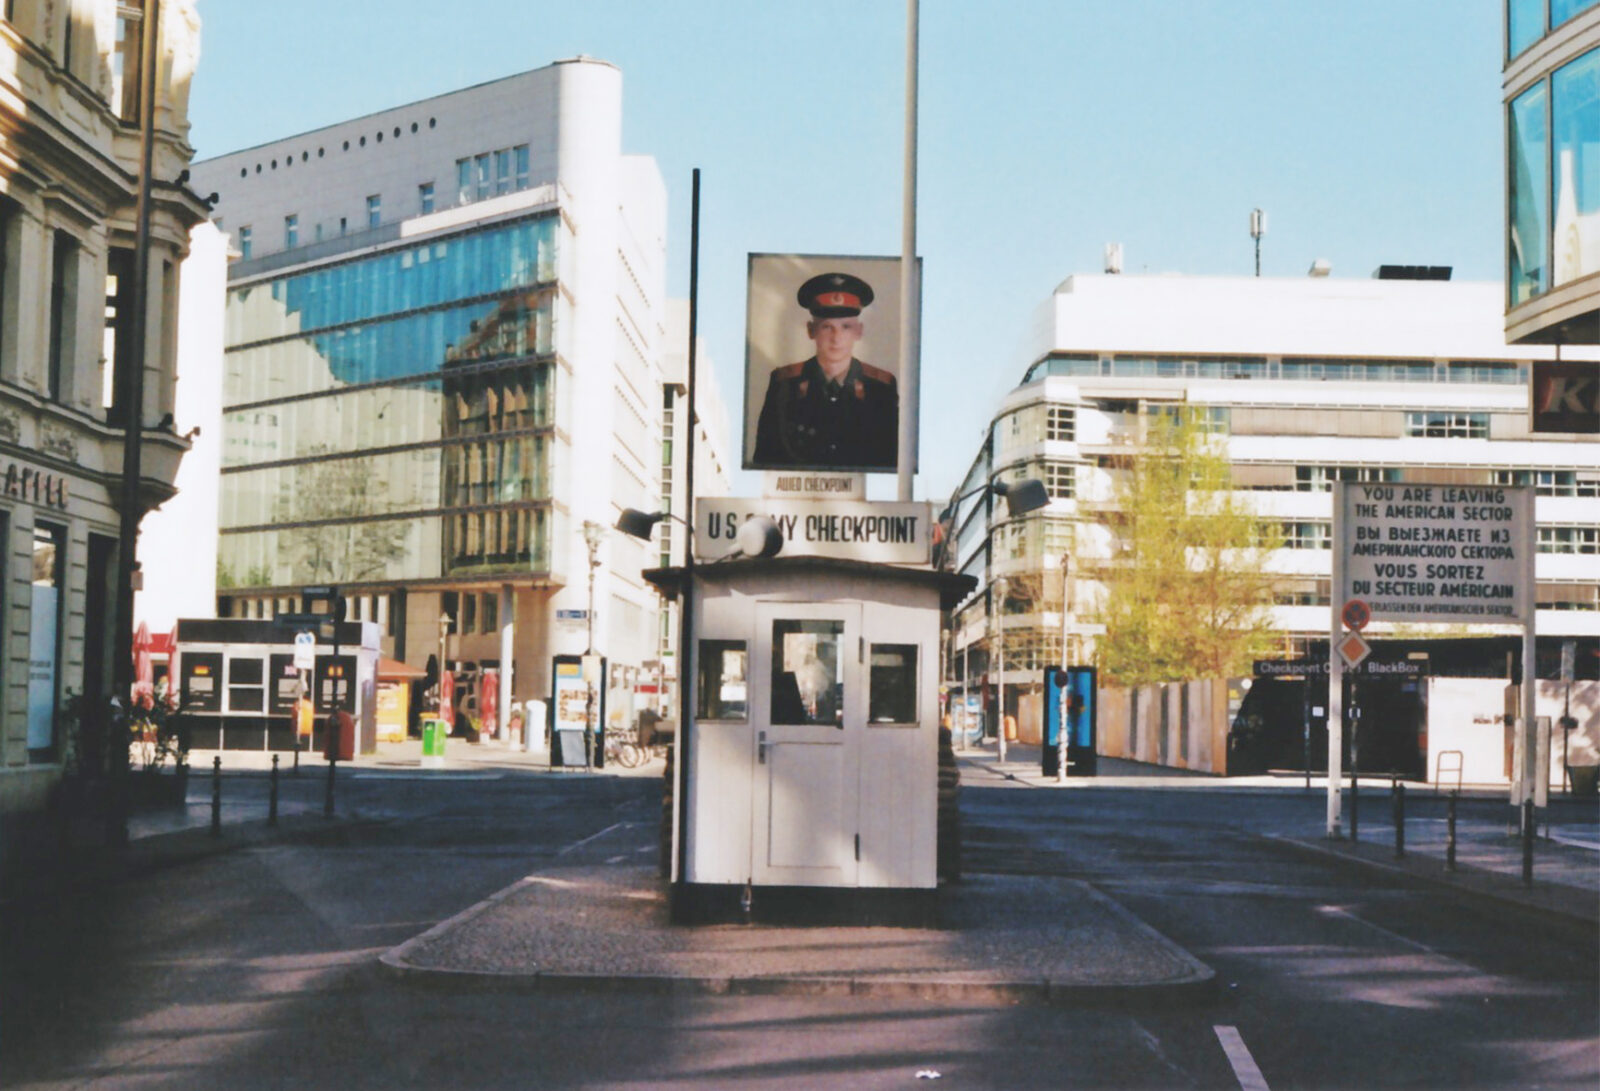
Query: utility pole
1062	723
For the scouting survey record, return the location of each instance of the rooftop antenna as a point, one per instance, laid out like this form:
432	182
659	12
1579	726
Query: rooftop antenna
1258	227
1113	263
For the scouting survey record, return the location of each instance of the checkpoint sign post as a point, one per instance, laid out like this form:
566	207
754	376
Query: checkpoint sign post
1429	554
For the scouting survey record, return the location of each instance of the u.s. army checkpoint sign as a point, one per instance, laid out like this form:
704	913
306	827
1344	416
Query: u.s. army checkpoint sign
1451	554
860	530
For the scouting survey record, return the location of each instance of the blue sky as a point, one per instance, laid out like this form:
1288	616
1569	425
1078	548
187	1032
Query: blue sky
1367	129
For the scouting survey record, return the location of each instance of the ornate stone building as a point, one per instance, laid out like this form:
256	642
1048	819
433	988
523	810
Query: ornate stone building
69	187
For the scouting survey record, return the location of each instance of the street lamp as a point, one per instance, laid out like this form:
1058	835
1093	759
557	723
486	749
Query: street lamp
592	534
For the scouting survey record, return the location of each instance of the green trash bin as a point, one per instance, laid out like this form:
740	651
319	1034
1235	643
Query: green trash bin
434	733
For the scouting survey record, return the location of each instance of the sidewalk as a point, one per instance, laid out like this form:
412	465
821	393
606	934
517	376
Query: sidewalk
1566	853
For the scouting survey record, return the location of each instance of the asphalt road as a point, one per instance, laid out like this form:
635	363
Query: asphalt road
257	968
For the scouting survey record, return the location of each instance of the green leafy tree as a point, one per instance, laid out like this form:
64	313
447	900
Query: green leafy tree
1187	591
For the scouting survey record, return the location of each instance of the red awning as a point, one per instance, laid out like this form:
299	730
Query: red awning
392	670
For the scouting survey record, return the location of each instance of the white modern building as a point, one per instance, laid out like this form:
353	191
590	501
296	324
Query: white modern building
1307	381
444	335
69	189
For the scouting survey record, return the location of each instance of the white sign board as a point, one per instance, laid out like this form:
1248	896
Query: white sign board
857	530
1451	554
813	485
305	651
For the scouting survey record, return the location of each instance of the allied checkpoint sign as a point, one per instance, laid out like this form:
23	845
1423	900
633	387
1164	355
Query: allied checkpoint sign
1446	554
858	530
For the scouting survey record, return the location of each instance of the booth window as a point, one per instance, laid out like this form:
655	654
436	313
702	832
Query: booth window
892	693
722	669
807	686
246	685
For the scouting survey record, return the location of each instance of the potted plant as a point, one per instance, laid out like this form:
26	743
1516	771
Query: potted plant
157	734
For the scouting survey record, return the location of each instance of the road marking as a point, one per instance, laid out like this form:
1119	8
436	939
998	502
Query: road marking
1345	914
591	837
1244	1065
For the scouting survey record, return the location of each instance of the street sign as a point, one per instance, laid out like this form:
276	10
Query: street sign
1569	661
1356	615
305	651
1352	649
1436	553
885	532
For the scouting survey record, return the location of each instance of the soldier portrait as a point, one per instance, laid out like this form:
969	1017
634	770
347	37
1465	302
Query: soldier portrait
831	410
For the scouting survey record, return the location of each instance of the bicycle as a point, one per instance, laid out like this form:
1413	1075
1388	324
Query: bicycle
623	749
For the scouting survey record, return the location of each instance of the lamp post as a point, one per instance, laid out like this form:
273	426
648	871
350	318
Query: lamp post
592	534
999	594
1021	497
444	664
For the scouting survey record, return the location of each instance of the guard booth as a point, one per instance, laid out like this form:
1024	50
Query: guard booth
811	761
237	683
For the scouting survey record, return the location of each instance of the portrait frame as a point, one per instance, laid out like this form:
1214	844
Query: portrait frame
776	338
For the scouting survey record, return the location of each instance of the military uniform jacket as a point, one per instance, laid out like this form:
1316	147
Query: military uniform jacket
807	421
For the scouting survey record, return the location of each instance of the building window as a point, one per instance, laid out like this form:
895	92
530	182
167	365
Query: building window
1060	480
425	197
63	313
1569	539
344	225
118	346
721	685
1307	535
247	685
44	637
521	154
244	243
892	684
1528	195
291	232
1061	424
374	211
1431	425
1575	161
489	612
124	58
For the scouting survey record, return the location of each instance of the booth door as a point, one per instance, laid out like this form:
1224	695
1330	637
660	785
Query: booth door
804	798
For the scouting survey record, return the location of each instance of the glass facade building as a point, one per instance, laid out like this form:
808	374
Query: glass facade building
390	417
1551	87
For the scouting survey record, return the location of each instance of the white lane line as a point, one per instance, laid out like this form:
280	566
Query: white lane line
591	837
1244	1065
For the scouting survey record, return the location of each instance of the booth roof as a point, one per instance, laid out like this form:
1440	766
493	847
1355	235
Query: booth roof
952	586
392	670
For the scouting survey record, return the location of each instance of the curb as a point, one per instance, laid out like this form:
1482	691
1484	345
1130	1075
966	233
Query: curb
1419	877
1195	984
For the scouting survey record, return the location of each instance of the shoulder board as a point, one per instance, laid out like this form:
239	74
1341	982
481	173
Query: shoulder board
877	374
788	372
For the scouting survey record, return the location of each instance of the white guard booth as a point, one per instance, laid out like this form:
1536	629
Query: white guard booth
811	761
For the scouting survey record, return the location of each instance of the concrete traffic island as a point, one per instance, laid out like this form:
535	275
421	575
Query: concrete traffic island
1002	939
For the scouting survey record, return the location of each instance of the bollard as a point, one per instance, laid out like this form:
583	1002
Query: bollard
296	770
1355	807
327	800
1450	837
1399	819
272	795
216	796
1527	842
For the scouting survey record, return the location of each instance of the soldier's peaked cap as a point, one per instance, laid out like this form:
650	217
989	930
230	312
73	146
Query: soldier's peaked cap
834	295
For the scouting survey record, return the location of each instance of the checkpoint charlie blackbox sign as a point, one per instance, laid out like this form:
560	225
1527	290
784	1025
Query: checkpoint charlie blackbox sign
1453	554
857	530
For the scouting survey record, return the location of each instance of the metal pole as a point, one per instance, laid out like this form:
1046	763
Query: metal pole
966	689
1305	722
1000	674
1399	794
910	301
1062	724
1527	841
131	390
1450	838
1355	764
216	796
272	795
686	657
333	768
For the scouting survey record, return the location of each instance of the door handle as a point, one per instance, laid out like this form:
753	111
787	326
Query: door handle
761	748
